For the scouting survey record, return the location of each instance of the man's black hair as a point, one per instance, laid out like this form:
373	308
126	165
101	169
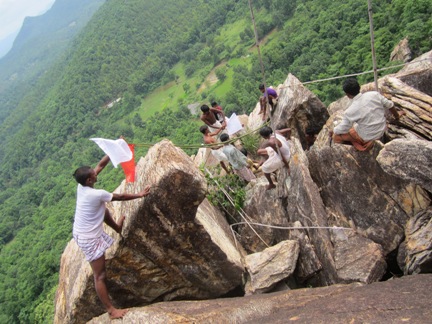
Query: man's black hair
351	87
82	174
214	103
261	86
224	137
203	129
265	131
205	108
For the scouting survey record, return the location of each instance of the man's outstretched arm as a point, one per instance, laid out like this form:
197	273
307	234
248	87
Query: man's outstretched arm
126	196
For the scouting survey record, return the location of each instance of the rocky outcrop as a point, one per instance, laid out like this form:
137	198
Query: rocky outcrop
298	108
418	73
175	245
400	300
408	160
269	267
402	52
358	259
356	191
416	255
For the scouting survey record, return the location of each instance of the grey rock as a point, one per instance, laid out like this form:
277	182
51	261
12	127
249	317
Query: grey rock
418	243
270	266
406	299
408	160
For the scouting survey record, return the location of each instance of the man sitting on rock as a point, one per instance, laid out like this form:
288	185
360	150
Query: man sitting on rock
364	120
88	232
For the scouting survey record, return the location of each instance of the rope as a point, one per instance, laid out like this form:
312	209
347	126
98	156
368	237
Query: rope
295	227
243	215
289	228
192	146
361	73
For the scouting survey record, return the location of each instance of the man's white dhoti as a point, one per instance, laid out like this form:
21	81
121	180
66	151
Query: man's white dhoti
273	162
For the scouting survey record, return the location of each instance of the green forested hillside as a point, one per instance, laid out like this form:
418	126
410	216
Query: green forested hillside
38	45
164	50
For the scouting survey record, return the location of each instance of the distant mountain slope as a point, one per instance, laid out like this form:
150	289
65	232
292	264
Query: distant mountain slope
38	45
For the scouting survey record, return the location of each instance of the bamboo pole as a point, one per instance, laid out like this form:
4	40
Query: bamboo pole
373	44
258	48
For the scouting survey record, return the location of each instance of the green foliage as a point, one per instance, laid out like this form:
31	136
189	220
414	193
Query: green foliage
251	143
233	186
221	73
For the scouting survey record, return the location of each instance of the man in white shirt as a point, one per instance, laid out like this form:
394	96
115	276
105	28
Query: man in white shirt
237	159
364	120
90	214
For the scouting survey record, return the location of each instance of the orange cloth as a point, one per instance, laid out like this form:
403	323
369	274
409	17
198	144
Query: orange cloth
129	166
354	139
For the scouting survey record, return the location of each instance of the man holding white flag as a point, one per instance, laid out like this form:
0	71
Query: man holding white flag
88	232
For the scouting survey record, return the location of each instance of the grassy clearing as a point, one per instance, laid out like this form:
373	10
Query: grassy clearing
202	85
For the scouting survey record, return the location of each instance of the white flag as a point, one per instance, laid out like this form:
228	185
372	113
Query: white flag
117	150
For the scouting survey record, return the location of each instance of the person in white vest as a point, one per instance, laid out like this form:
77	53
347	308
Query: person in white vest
88	232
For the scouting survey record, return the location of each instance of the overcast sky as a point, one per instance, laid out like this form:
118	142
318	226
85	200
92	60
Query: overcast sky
13	12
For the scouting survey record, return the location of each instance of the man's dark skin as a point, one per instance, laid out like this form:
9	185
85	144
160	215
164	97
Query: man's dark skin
209	118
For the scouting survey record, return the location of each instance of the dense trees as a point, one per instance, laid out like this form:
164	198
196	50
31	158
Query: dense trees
129	49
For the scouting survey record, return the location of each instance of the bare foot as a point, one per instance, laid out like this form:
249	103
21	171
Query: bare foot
271	186
120	224
117	313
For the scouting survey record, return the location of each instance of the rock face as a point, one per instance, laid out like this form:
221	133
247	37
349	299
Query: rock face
407	299
408	160
401	52
298	108
358	259
418	244
174	245
355	190
270	266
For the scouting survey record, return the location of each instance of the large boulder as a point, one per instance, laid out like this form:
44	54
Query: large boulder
408	160
406	299
357	192
270	266
175	245
298	108
417	252
304	205
402	51
358	259
263	209
418	73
